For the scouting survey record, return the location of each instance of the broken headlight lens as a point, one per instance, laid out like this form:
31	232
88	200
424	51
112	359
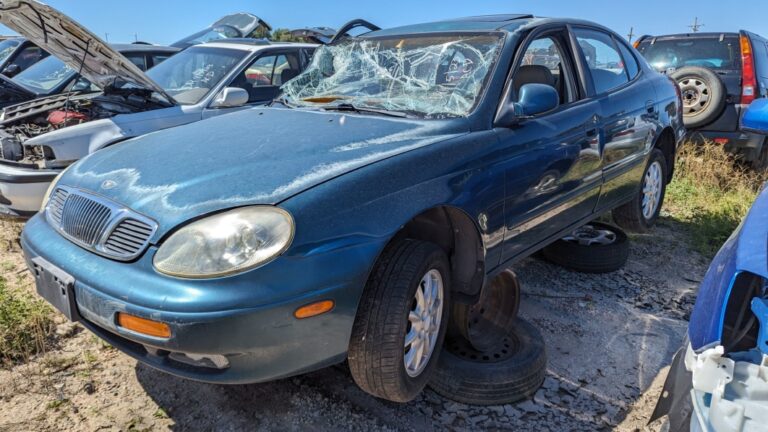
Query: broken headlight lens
226	243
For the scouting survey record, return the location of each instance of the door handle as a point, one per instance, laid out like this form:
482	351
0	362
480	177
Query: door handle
592	132
650	107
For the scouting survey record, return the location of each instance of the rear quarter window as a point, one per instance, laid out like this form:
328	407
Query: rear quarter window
716	52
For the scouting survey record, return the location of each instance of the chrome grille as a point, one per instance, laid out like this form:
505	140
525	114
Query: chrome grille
98	224
56	206
84	219
129	237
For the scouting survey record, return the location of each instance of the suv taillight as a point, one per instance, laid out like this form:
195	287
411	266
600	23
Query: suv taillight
748	79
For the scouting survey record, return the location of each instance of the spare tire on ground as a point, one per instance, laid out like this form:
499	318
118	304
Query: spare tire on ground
593	248
512	371
704	95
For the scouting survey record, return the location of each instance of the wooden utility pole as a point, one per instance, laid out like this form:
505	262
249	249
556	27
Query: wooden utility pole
631	34
695	27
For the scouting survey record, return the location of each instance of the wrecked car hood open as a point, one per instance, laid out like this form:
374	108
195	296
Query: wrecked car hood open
239	25
262	156
73	44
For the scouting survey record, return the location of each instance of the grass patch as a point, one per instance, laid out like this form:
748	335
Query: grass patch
25	323
711	193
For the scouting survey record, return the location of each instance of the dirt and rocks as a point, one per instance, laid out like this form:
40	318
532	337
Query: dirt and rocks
609	340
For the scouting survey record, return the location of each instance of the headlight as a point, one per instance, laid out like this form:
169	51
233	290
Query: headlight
226	243
51	187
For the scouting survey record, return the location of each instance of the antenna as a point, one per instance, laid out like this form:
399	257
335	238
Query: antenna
106	37
696	26
135	37
631	34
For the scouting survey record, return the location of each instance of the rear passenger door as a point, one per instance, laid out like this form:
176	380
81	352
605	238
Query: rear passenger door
553	172
627	110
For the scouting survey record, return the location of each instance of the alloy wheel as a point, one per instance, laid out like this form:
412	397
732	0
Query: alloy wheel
424	322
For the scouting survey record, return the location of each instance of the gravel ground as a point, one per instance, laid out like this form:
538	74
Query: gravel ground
609	339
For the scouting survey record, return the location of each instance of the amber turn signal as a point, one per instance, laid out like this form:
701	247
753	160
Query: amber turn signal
143	326
314	309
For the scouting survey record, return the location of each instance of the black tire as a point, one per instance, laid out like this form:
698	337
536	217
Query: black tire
695	83
595	258
760	164
630	215
376	349
487	380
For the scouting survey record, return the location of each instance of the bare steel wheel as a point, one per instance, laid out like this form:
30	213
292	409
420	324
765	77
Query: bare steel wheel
401	321
703	94
424	323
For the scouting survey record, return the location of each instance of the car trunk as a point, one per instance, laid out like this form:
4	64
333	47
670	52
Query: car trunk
719	52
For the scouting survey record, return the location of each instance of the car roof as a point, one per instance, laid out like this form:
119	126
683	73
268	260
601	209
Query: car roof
692	35
246	44
502	22
144	48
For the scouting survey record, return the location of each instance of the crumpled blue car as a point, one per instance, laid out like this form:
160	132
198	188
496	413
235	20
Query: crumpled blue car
395	176
719	380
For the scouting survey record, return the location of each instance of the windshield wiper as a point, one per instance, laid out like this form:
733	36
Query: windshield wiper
347	107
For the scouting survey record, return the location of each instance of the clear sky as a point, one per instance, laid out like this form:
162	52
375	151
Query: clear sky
165	21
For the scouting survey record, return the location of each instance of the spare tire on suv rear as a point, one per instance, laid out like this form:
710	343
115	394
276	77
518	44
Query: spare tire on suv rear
703	94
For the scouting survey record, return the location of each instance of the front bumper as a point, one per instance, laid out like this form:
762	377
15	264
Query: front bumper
247	320
708	392
22	190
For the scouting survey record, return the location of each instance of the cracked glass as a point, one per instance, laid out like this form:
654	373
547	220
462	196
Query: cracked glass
432	76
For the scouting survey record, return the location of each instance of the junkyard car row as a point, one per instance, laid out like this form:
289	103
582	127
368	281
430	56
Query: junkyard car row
364	207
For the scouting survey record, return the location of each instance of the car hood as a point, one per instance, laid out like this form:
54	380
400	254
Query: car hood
80	49
256	156
244	24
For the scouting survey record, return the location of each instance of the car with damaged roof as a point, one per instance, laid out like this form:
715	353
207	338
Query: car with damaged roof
719	379
394	177
41	137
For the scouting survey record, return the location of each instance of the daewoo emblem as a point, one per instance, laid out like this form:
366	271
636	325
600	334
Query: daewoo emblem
108	184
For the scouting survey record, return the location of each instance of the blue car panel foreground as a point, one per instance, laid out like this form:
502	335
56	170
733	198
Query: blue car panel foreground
718	380
262	244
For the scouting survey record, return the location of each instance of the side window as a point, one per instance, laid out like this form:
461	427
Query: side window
261	72
263	78
138	59
544	62
603	59
630	62
159	58
29	56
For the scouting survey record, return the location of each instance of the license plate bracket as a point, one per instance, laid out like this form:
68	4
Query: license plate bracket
56	286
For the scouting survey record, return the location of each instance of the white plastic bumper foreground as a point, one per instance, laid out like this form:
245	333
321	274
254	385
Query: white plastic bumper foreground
729	394
22	189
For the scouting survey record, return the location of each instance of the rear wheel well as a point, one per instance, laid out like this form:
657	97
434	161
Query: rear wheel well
666	143
454	232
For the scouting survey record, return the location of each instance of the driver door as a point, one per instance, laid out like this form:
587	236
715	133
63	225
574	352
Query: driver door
553	173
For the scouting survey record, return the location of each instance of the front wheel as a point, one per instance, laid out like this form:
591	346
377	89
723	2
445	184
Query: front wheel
401	322
640	214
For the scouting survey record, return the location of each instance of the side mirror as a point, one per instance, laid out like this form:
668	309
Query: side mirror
80	85
11	70
536	99
230	97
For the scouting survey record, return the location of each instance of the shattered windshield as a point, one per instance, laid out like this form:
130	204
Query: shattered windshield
430	76
45	75
191	74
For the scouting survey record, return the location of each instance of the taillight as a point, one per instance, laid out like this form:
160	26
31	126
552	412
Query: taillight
636	44
748	79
